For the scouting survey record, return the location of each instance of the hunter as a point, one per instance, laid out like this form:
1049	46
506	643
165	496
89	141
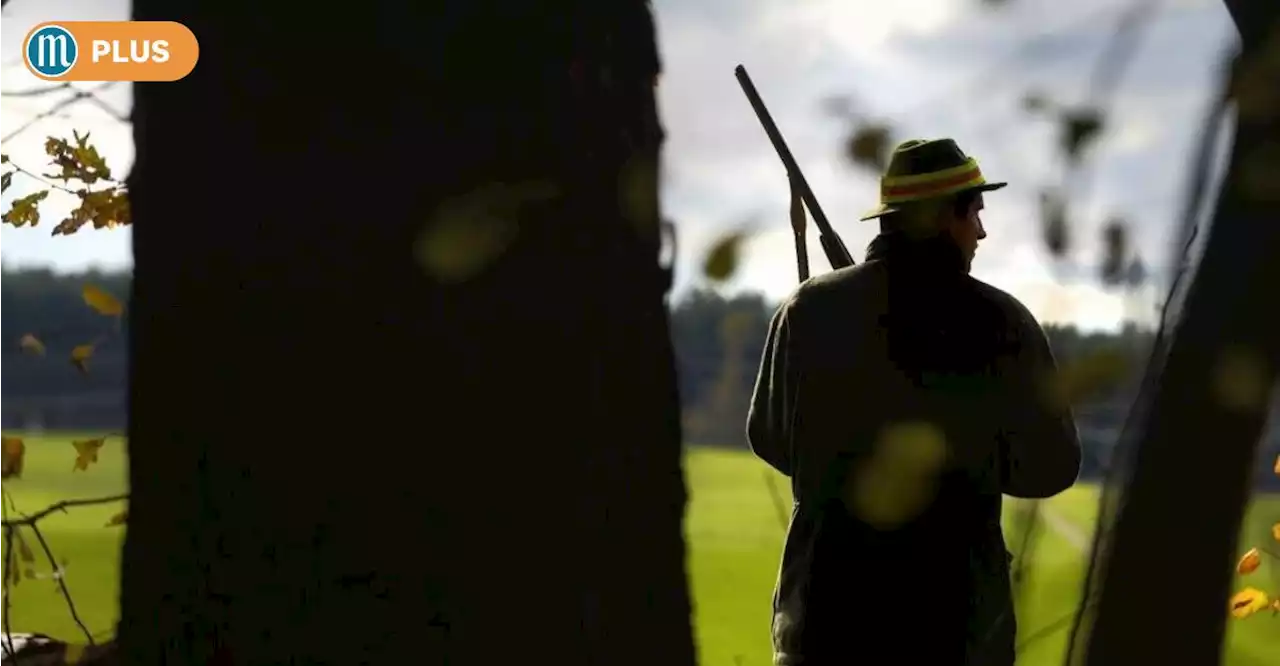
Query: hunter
903	398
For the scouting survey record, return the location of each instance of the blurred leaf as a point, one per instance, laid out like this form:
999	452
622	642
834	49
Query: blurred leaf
467	234
5	181
87	452
1240	380
80	356
1079	128
1035	102
101	301
1053	215
118	519
31	345
900	479
1276	469
1136	274
24	550
1087	377
1248	601
1275	531
1250	562
868	146
722	259
840	106
15	451
1260	171
1115	251
25	210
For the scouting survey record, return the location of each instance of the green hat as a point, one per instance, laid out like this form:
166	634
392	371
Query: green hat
927	169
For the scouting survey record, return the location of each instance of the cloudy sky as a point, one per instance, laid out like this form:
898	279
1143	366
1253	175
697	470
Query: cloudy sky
929	68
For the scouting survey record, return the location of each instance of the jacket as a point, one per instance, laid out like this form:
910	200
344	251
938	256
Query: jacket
906	337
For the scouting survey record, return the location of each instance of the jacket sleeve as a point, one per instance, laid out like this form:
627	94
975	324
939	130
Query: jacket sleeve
773	402
1039	445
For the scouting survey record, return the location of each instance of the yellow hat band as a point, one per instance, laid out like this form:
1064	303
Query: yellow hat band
901	189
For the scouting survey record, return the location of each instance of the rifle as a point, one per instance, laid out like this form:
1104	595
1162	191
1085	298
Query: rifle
837	255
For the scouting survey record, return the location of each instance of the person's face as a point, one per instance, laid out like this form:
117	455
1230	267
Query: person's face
966	230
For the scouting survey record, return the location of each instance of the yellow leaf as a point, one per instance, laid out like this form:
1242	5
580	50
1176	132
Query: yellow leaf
87	452
1275	531
900	479
15	451
118	519
469	234
25	210
80	356
1250	562
99	300
31	345
1248	601
1087	376
722	259
1277	466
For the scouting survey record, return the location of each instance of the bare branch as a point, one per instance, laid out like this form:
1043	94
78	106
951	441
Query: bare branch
32	519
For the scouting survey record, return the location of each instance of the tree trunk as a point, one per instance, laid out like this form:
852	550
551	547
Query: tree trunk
1168	569
402	389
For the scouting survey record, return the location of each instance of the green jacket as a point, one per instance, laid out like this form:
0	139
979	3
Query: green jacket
906	337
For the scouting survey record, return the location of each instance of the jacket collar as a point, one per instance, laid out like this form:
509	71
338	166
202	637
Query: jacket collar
937	255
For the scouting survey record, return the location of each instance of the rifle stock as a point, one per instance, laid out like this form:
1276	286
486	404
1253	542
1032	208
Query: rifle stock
837	254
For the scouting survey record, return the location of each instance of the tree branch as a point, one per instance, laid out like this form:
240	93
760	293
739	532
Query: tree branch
32	519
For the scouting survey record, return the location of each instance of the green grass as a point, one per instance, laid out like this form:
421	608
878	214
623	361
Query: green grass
734	536
735	541
78	537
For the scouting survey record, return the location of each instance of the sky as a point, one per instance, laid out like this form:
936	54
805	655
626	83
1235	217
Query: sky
928	68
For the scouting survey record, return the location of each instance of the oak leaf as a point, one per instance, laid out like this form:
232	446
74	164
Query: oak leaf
101	301
87	452
30	344
1248	601
80	356
15	451
1250	562
25	210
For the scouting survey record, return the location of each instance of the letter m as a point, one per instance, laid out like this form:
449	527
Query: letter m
52	51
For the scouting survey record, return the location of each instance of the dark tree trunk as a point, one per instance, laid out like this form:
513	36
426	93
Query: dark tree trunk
337	454
1168	569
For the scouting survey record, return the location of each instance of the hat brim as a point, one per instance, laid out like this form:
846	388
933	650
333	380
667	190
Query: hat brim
885	209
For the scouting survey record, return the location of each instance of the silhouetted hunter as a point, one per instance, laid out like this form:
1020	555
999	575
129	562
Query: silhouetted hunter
903	397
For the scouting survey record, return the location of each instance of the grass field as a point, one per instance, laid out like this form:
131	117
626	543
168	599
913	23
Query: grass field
734	542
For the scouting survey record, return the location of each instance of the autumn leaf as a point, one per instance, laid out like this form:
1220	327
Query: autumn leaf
1275	531
30	344
15	451
80	161
1086	377
118	519
25	210
1248	601
106	209
467	234
1250	562
1276	468
5	181
1079	128
1053	215
99	300
1115	252
1240	380
900	478
868	146
721	261
80	356
87	452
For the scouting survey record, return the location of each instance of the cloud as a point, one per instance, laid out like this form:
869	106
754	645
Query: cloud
946	68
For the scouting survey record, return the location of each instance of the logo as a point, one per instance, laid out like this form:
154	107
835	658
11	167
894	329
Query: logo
111	51
51	51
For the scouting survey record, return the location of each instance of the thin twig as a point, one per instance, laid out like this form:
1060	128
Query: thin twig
62	583
32	519
10	569
35	176
36	92
79	95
